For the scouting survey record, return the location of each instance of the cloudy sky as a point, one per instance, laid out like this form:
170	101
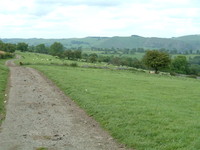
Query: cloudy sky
82	18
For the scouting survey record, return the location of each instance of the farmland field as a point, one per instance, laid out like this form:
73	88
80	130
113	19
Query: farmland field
3	83
43	59
101	53
141	110
187	56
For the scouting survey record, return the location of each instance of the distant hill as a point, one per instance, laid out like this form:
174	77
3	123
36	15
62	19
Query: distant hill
183	43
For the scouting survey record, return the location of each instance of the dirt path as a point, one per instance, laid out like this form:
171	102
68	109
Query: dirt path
40	115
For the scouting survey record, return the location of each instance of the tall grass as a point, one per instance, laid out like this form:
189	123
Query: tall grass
3	83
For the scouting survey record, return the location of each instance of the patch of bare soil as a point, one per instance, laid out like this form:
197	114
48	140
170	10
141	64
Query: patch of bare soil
40	115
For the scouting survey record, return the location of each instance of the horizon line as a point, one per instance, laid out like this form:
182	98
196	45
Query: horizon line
134	35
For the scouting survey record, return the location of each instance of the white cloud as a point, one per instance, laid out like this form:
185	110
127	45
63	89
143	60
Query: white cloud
81	18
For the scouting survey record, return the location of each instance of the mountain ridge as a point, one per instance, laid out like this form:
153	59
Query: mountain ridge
182	43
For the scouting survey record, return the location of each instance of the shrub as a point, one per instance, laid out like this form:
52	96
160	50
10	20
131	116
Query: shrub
74	65
192	76
4	55
65	64
172	73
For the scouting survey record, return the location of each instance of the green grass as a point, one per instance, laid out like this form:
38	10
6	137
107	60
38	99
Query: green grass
143	111
101	53
43	59
136	55
187	56
3	83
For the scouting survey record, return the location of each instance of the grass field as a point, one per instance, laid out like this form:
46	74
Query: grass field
3	83
187	56
143	111
43	59
101	53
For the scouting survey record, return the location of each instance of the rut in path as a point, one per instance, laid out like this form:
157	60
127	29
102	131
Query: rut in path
40	115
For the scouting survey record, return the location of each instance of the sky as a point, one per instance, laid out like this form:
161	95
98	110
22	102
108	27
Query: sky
82	18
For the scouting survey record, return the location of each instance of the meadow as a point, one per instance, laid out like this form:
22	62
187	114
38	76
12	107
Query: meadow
187	56
142	111
43	59
3	83
119	54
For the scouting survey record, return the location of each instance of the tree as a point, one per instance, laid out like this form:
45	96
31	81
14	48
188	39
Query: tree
1	45
180	65
22	47
116	61
174	51
195	60
137	63
8	47
133	51
78	54
41	48
93	57
156	60
31	48
194	69
140	50
56	49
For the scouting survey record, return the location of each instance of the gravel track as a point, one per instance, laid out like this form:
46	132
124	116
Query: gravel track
40	115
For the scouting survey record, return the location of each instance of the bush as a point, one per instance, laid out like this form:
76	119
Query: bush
192	76
74	65
65	64
172	73
6	55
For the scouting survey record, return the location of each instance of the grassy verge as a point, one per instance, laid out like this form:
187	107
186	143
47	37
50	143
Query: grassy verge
3	83
141	110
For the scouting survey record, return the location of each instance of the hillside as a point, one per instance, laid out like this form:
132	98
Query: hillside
140	110
184	43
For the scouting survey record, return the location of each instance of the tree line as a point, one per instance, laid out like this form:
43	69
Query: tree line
154	60
6	50
157	60
140	50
